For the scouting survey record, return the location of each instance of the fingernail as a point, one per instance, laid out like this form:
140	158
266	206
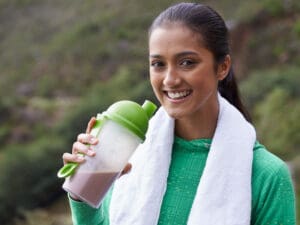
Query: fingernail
80	158
94	140
91	152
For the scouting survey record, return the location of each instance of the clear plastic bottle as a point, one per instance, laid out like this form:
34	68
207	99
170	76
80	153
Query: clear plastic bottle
120	130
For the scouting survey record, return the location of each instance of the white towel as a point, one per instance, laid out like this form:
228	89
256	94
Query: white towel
224	192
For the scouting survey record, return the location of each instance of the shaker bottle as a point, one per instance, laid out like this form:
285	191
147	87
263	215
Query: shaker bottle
120	129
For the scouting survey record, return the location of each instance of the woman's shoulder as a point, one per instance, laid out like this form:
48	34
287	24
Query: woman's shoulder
267	166
266	162
272	189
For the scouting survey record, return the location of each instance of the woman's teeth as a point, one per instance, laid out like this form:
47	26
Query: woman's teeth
178	95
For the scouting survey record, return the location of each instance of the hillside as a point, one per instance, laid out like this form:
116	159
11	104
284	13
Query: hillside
64	61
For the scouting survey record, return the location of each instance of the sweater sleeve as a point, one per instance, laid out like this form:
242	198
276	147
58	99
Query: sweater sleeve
276	199
83	214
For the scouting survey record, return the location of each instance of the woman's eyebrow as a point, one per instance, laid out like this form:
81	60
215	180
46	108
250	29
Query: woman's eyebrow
157	56
178	55
185	53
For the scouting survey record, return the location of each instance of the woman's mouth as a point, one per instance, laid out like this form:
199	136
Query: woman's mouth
176	95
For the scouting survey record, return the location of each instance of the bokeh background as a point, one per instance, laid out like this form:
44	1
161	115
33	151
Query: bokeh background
62	62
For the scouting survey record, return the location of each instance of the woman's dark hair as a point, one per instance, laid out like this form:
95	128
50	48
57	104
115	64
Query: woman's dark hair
213	34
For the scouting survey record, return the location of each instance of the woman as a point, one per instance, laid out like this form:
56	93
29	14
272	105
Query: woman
200	163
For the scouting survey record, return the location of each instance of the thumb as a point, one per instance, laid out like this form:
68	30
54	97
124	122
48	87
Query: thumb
126	169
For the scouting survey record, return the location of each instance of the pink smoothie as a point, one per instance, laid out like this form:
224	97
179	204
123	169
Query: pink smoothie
90	187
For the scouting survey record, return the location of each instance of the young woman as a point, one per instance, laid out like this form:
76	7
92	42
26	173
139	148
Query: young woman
200	163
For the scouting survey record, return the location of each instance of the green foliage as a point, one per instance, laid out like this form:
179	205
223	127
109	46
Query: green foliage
273	98
47	84
4	110
16	3
277	122
297	28
280	7
4	133
260	83
28	175
275	7
273	44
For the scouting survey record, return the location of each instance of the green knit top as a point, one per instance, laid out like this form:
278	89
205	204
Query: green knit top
187	165
273	200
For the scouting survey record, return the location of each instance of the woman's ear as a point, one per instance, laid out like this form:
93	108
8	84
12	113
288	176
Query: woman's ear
223	68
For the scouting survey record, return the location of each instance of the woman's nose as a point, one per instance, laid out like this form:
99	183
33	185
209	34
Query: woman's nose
171	78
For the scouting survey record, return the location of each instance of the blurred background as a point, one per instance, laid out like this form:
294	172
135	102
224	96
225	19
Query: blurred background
62	62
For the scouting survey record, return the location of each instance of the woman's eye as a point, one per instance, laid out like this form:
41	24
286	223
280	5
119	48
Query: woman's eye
157	64
187	63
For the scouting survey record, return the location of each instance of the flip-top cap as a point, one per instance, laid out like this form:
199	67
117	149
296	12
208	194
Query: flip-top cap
132	115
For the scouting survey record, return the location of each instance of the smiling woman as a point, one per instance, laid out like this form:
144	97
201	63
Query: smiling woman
200	162
185	80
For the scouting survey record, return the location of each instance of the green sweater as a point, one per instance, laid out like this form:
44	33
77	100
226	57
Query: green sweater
273	200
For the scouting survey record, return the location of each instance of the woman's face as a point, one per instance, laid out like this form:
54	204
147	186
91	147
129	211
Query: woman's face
182	72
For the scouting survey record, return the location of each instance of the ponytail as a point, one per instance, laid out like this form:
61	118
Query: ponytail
228	89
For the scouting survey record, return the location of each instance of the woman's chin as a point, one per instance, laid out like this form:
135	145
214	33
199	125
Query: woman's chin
175	114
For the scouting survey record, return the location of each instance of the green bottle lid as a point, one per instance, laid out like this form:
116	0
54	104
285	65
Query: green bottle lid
132	116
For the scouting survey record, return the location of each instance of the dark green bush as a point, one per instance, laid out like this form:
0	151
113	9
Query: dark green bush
296	28
275	7
260	83
28	175
277	123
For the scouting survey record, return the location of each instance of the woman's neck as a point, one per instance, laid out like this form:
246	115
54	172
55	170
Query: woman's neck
202	125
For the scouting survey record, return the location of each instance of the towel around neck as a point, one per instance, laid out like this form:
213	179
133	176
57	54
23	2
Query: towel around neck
223	195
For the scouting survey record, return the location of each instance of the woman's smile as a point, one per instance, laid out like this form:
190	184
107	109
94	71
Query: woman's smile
178	95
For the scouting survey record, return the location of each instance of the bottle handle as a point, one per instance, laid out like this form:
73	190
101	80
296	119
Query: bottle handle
69	168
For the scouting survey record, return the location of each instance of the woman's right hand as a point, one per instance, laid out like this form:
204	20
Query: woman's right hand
82	145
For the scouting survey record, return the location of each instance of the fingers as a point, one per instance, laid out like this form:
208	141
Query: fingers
78	150
78	147
87	139
81	147
68	157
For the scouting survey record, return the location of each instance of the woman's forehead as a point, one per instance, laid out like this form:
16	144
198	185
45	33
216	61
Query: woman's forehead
174	37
